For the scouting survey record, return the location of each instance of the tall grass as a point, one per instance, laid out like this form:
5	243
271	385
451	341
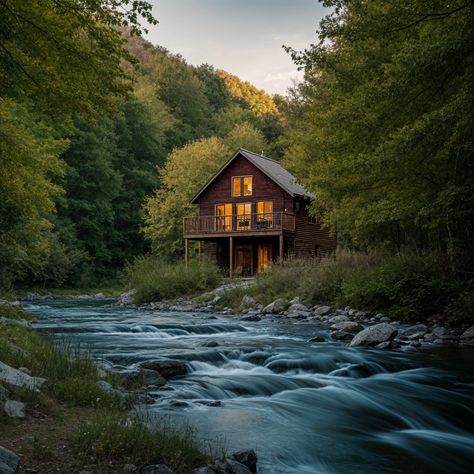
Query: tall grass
408	286
118	437
155	279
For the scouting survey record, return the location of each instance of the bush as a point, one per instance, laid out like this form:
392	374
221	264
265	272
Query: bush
117	437
408	287
461	309
154	279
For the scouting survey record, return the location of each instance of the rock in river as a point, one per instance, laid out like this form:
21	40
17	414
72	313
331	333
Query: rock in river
166	367
347	326
9	461
374	335
278	306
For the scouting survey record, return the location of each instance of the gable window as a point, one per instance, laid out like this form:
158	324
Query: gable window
242	186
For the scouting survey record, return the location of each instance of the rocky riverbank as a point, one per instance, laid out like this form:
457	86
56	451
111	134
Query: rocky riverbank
348	325
48	406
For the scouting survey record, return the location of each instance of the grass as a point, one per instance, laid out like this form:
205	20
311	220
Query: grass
409	287
118	437
154	279
84	425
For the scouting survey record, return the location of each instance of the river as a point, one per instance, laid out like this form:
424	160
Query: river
304	408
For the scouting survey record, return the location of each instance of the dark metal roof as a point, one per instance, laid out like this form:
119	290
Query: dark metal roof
273	169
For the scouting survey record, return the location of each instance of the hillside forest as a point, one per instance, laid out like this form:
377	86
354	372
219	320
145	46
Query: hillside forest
105	137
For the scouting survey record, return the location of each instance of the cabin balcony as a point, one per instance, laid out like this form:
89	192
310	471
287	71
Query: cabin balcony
271	223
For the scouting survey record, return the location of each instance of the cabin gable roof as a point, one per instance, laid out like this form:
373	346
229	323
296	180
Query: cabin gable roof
273	169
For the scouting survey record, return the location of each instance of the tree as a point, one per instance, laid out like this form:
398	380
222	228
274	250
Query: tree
381	128
67	55
186	170
29	157
245	135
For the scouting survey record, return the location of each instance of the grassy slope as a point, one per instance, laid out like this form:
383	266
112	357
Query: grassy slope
71	424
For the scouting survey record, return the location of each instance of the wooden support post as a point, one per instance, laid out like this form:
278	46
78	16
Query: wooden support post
280	253
231	257
200	250
186	252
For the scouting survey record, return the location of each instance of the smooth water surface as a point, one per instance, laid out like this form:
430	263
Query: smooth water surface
305	408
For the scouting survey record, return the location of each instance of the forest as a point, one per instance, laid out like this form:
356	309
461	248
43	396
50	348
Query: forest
105	137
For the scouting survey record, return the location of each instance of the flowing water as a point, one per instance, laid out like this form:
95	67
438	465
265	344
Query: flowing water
305	408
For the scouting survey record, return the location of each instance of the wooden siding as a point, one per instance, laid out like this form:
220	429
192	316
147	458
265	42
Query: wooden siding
311	239
264	189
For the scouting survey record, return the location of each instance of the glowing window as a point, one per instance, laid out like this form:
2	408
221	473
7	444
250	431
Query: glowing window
242	186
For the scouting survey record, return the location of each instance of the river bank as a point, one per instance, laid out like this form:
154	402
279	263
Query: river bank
304	407
61	412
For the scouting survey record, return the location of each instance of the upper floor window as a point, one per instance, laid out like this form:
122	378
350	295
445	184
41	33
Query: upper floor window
242	186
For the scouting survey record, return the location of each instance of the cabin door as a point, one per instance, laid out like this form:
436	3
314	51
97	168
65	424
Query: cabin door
264	259
244	215
223	217
243	265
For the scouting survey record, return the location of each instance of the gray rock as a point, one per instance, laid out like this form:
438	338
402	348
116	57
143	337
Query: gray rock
19	378
339	319
278	306
248	458
317	339
413	330
347	326
130	468
9	461
14	409
107	388
298	307
385	319
251	318
229	466
295	300
374	335
156	469
384	345
210	344
248	301
299	314
126	299
322	310
430	337
468	333
143	377
439	331
341	336
168	368
204	470
15	322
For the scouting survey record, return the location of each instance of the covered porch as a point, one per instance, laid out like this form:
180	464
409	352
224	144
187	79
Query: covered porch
243	256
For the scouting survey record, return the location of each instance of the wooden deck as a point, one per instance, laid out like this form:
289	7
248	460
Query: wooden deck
245	225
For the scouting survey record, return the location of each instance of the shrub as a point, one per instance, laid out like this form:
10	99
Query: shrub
408	287
117	437
461	308
155	279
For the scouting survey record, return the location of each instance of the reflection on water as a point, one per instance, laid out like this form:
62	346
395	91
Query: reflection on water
305	408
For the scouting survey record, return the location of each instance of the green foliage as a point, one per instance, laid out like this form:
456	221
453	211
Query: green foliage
155	279
460	311
257	100
186	170
67	56
381	128
408	287
29	158
119	437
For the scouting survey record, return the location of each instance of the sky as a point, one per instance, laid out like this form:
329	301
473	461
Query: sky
243	37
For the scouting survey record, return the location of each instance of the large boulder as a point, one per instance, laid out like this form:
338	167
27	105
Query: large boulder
322	310
298	308
18	378
14	409
248	302
339	318
278	306
347	326
14	322
9	461
143	377
417	328
374	335
467	337
166	367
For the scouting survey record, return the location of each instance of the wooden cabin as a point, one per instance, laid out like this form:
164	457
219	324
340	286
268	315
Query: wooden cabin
253	212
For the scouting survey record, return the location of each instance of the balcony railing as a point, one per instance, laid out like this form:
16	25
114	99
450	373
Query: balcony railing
261	222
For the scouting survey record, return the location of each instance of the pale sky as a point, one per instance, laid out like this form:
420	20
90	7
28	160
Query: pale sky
243	37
